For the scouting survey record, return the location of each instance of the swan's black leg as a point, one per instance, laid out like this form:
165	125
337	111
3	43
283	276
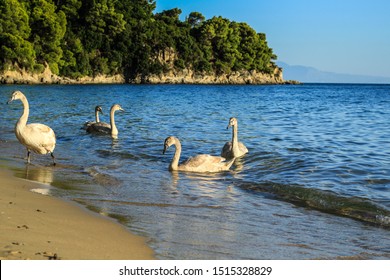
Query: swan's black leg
28	156
52	156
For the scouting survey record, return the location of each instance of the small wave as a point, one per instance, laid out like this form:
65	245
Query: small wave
383	219
43	191
379	181
325	201
149	204
103	179
125	155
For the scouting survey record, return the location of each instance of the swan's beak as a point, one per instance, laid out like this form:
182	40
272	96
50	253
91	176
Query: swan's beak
165	148
229	125
10	100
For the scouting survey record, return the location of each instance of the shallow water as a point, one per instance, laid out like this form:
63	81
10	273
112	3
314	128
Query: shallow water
315	184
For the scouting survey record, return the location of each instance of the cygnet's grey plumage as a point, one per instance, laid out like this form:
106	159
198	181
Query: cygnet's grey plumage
233	149
98	109
103	128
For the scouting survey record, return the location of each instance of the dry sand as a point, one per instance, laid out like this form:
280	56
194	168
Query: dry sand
39	227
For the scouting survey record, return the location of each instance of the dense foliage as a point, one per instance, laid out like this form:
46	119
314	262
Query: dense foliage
88	37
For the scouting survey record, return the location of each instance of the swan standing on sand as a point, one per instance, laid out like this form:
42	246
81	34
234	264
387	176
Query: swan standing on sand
89	123
36	137
233	149
199	163
104	128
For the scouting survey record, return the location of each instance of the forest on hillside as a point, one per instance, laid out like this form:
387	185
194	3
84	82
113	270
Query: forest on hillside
77	38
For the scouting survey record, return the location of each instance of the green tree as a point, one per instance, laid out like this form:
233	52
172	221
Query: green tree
103	25
70	8
90	37
14	34
264	55
246	47
103	20
47	30
219	39
195	19
135	43
75	61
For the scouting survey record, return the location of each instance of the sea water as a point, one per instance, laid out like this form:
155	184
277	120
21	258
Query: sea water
314	185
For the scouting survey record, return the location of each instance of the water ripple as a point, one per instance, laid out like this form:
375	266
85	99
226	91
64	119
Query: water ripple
322	147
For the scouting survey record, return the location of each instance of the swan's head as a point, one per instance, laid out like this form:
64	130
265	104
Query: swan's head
15	96
232	122
116	107
169	141
99	109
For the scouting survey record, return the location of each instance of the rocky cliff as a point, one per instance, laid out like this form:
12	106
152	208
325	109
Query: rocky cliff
185	76
20	76
239	77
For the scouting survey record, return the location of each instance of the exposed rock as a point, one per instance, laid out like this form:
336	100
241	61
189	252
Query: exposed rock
185	76
21	76
292	82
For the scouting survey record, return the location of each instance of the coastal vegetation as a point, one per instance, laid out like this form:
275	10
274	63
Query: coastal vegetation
78	38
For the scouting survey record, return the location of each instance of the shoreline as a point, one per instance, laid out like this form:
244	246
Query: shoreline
22	77
40	227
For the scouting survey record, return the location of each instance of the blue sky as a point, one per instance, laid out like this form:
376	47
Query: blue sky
343	36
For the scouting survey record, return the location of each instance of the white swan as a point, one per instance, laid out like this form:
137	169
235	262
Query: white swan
200	163
104	128
97	110
36	137
233	149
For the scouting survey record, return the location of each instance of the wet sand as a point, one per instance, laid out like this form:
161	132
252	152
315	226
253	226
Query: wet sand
39	227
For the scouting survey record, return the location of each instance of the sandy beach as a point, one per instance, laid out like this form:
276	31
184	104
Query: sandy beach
40	227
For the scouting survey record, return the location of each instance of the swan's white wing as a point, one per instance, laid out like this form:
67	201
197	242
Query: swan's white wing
39	138
242	148
199	160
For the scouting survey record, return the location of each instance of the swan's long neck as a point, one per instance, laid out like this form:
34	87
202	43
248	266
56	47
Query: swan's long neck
24	117
97	116
176	157
235	138
114	130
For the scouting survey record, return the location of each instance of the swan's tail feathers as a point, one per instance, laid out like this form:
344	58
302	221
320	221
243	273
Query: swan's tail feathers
54	159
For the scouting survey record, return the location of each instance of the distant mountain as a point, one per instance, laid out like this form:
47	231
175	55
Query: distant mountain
306	74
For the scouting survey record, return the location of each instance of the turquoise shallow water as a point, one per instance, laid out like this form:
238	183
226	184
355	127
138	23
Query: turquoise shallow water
315	183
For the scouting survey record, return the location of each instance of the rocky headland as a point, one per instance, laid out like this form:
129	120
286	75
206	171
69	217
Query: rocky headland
185	76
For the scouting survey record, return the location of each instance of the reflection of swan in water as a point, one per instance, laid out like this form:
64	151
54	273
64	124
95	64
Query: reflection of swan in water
199	163
97	120
205	184
234	148
103	128
115	143
42	175
36	137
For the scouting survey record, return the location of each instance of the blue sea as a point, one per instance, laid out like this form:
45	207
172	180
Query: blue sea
314	185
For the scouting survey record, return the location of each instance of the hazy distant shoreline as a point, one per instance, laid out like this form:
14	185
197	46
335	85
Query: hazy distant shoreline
312	75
